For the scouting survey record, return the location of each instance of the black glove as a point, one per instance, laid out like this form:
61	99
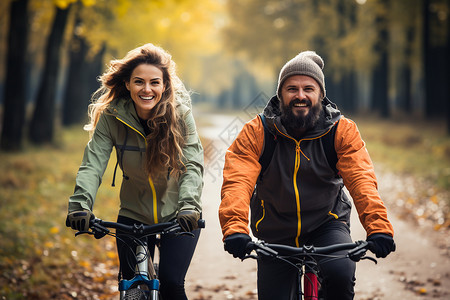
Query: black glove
79	220
188	219
381	244
236	244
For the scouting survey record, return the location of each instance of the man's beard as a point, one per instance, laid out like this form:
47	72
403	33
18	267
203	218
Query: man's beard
295	122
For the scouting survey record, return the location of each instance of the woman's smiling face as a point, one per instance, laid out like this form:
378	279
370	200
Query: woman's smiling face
146	88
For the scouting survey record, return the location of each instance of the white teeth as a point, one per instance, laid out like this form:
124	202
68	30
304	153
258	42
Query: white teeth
147	98
300	105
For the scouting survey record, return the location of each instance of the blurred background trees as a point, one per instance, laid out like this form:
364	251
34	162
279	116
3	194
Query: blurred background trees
389	58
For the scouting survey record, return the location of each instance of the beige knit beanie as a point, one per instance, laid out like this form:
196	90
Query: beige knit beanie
305	63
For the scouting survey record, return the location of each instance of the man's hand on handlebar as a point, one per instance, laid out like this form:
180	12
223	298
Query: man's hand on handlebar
381	244
236	244
79	220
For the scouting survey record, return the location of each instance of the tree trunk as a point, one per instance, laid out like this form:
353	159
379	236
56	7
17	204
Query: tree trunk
95	69
448	69
42	123
408	71
435	57
349	92
380	98
349	81
15	78
76	97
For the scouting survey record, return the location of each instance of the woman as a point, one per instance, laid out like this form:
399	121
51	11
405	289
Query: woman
143	110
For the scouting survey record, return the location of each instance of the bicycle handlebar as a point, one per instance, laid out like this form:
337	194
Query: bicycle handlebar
357	250
100	228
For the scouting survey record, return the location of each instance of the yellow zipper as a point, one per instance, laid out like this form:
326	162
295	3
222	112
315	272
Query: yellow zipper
297	195
263	215
155	206
298	153
152	186
334	215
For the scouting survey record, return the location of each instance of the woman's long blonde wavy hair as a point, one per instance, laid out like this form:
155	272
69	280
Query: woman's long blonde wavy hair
166	138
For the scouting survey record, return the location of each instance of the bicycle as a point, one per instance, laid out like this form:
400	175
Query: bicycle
145	284
303	259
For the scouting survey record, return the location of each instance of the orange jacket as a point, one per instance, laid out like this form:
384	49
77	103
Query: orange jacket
242	169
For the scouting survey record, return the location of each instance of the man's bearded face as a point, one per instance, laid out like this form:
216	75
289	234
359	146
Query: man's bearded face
300	102
304	120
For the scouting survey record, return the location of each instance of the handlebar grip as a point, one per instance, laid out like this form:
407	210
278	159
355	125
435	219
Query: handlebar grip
93	221
201	223
250	247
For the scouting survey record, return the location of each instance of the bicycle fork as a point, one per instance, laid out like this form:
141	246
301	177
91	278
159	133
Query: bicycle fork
145	276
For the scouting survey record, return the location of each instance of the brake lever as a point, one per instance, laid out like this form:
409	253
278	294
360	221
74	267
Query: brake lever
186	233
99	231
83	232
359	253
370	258
249	256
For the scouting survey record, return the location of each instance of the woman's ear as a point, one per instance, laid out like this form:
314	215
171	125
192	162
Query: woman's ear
127	85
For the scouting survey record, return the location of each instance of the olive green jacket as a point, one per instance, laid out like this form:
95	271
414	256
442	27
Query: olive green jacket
148	200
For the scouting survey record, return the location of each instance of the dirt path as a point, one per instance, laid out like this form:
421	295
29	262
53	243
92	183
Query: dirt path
419	269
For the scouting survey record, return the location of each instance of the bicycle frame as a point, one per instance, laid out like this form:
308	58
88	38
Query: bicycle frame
307	278
310	286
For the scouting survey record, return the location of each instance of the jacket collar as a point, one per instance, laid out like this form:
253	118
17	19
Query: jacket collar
124	110
329	116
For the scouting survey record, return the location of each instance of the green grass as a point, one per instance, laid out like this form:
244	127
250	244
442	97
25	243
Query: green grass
415	148
38	254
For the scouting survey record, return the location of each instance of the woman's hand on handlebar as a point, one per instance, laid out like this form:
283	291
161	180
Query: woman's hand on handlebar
188	220
79	220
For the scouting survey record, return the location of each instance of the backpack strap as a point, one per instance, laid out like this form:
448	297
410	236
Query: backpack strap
120	158
270	141
330	151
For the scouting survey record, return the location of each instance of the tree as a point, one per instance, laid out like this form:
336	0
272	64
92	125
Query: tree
405	90
347	23
380	86
342	32
435	57
42	123
76	97
448	68
15	87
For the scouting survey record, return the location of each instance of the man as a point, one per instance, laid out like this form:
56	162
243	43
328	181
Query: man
299	198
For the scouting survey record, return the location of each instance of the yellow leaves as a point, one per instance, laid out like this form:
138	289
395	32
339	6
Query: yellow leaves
88	3
434	199
411	200
123	7
100	279
422	291
85	264
54	230
437	227
49	245
63	4
111	254
38	252
444	225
